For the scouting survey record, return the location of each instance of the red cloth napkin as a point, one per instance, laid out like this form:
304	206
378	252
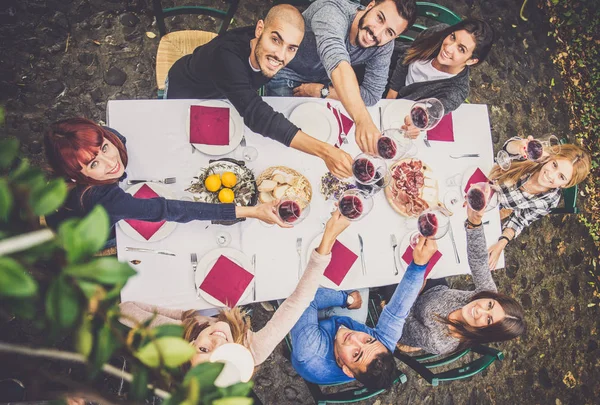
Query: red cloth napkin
342	260
443	131
226	281
477	177
145	228
408	257
343	122
209	125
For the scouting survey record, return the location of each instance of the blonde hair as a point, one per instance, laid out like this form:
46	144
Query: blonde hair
578	157
234	317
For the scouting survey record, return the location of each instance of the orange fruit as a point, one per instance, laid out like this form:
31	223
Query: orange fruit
229	179
212	183
226	195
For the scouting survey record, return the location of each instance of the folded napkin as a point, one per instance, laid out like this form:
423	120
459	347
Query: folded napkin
209	125
145	228
344	123
342	260
408	257
443	131
226	281
477	177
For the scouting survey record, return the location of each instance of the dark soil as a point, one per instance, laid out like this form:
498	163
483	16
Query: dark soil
63	58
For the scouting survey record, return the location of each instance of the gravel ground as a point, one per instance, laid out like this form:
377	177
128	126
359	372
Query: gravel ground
68	58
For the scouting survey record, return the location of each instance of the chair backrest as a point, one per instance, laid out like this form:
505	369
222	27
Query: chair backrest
224	15
429	11
569	196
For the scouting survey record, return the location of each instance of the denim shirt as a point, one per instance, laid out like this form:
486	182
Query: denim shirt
313	340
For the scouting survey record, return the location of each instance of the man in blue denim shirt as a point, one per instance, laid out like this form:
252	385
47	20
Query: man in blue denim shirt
339	349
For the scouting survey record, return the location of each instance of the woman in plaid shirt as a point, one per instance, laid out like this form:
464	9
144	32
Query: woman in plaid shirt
530	189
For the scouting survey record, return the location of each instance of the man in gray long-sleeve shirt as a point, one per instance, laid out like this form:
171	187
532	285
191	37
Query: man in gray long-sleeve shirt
338	35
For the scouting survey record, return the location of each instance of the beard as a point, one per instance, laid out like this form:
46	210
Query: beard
362	27
260	54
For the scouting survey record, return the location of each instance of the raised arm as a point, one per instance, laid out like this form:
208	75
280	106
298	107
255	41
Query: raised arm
137	312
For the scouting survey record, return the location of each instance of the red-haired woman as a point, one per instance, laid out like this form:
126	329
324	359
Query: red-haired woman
93	159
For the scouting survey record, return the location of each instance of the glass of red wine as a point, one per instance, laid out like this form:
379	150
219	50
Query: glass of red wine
292	210
536	149
432	224
371	173
354	204
394	145
482	196
427	113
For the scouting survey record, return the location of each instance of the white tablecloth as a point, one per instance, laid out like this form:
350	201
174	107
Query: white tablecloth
157	147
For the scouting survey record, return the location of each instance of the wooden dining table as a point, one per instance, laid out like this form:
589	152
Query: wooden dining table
158	147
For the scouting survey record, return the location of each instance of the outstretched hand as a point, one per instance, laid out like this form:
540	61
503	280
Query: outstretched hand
266	213
424	250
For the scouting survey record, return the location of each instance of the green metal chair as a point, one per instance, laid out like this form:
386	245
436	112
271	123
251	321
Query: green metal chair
429	11
569	196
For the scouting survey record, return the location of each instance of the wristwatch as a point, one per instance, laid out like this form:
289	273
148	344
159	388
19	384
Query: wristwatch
349	300
325	91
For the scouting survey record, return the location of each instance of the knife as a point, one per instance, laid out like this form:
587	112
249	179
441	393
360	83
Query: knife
362	255
159	252
456	256
254	271
394	243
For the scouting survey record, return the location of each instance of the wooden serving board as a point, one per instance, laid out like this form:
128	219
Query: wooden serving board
429	192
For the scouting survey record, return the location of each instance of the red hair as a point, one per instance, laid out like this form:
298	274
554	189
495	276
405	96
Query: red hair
75	141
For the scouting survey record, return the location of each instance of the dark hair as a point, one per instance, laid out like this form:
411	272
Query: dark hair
407	9
428	45
380	372
72	141
512	326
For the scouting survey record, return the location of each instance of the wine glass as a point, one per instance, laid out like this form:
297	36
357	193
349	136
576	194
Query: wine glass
482	196
354	204
545	145
223	239
427	113
394	145
292	210
248	153
433	224
551	143
371	173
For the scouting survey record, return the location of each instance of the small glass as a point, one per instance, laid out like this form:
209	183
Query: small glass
432	224
223	239
394	145
293	210
355	204
249	153
427	113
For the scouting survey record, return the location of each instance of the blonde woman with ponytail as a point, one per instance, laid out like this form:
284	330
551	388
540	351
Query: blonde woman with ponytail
531	189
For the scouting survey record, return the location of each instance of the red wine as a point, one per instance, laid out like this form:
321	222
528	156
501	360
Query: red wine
351	206
534	150
363	169
419	117
386	147
476	199
289	211
428	224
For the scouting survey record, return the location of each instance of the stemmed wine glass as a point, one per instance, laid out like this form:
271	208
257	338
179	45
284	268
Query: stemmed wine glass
292	210
536	148
482	196
371	173
427	113
394	145
433	224
354	204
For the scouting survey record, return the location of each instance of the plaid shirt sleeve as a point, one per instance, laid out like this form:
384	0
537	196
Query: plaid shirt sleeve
522	217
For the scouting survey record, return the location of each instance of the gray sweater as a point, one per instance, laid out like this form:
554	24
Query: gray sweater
326	44
452	92
422	328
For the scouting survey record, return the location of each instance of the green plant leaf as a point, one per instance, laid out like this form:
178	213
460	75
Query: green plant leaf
26	175
89	289
139	385
9	148
14	280
20	307
93	230
175	352
168	330
233	401
69	239
62	303
84	338
105	270
105	346
6	200
206	374
237	390
47	199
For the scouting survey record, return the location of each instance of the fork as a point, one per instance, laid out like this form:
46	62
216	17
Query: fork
167	180
299	251
343	133
466	155
194	259
243	142
426	140
380	120
254	271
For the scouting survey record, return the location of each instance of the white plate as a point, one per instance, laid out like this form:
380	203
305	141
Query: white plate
208	260
401	249
350	240
236	129
395	112
165	230
315	120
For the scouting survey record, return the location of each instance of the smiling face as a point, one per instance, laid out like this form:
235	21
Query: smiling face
274	46
456	52
379	25
104	164
482	312
354	350
209	339
555	173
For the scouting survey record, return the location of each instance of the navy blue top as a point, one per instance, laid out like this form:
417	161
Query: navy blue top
120	205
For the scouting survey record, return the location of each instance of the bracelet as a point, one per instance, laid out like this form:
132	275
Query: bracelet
505	238
471	224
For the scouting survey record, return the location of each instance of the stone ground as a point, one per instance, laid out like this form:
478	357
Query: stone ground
68	58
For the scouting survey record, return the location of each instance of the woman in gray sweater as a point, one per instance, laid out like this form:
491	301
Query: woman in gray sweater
437	63
444	320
